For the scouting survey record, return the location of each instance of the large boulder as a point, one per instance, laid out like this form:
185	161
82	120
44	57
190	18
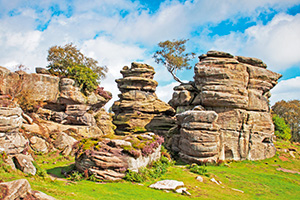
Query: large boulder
20	189
237	90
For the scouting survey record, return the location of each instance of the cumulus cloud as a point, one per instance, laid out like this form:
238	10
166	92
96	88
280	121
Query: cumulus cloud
118	32
277	43
286	90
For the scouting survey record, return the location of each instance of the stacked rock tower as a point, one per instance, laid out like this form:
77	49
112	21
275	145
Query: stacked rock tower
139	110
236	89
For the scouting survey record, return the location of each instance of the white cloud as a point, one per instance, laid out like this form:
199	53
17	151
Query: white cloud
123	40
286	90
277	43
165	93
115	56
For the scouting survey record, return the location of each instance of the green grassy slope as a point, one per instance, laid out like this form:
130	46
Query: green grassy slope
256	180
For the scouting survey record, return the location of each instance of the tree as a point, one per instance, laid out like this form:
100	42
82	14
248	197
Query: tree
290	112
68	61
282	130
173	57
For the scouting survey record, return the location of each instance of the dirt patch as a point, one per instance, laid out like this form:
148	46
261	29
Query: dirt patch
283	158
287	170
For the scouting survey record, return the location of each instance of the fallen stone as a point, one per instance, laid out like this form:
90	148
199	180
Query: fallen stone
183	191
237	190
199	178
167	185
24	163
292	154
215	181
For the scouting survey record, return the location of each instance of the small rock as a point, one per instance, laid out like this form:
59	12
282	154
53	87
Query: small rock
183	191
292	154
215	181
237	190
167	185
199	178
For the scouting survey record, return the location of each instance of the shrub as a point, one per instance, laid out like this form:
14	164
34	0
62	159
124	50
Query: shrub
153	171
282	130
75	176
201	170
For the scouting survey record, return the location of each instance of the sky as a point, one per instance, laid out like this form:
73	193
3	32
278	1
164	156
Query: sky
118	32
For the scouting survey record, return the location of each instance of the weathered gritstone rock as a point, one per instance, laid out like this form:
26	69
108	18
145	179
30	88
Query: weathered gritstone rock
56	96
109	159
237	90
20	189
11	140
139	110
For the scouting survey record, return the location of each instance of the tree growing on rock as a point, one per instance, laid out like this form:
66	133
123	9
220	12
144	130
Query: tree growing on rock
68	61
290	112
172	55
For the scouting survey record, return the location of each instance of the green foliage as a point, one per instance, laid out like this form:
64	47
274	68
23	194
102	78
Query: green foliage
173	57
84	76
153	171
75	176
39	171
201	170
282	130
68	61
290	112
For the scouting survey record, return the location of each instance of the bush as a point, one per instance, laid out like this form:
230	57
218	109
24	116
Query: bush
153	171
282	130
201	170
75	176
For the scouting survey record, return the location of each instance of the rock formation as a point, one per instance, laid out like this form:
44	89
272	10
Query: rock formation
52	106
109	159
139	110
12	142
231	117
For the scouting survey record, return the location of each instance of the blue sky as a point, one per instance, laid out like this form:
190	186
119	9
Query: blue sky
118	32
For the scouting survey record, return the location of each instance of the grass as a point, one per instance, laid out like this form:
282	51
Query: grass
257	179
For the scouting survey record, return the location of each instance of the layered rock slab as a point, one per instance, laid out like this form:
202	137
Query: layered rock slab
21	189
237	89
109	159
139	110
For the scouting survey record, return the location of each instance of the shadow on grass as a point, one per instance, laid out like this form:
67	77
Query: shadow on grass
59	171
